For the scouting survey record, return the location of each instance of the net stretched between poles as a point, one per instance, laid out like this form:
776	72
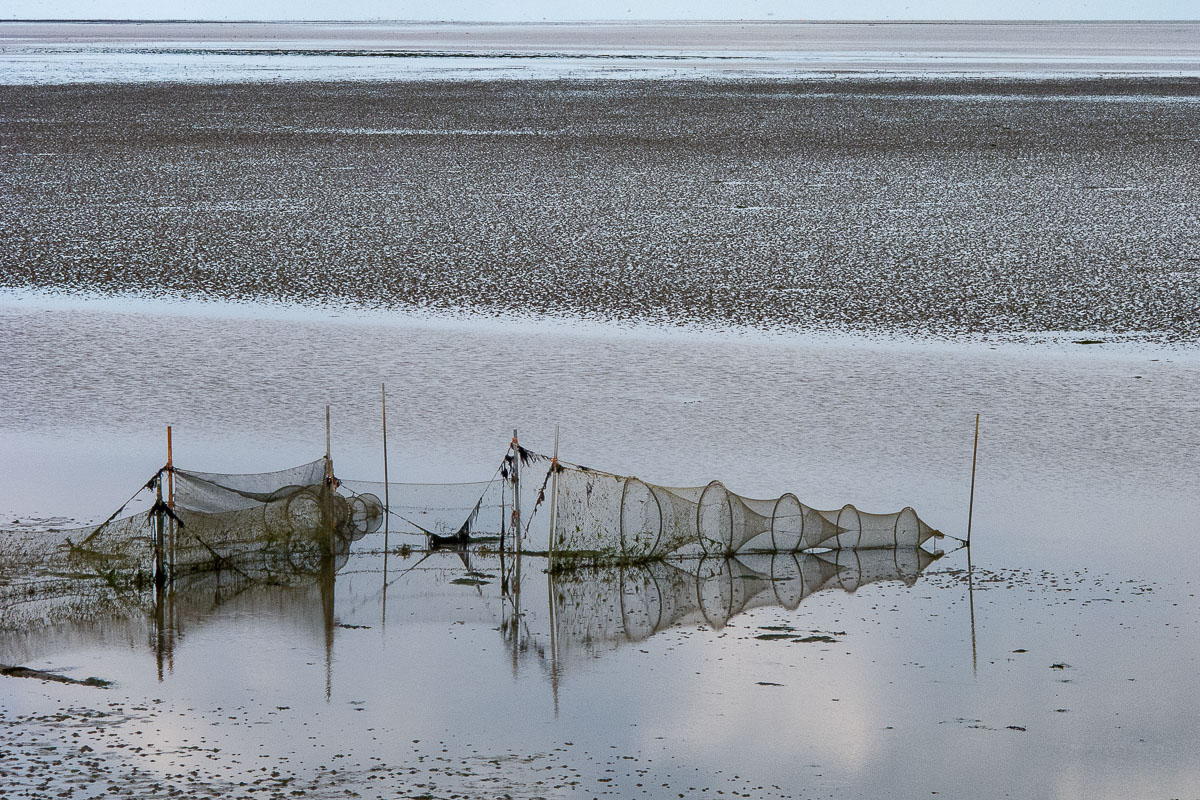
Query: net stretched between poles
291	520
467	510
297	518
442	509
272	523
603	516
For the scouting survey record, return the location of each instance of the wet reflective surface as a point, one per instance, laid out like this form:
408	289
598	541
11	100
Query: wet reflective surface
440	681
50	52
1085	621
918	252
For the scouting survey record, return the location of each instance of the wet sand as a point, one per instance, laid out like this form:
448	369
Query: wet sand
942	208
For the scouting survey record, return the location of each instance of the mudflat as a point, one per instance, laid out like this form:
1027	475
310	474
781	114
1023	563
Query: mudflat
788	281
943	207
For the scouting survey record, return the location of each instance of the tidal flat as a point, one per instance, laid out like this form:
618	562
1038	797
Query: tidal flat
937	207
806	285
1059	664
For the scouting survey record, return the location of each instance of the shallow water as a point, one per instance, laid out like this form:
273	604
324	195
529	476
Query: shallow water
90	387
441	687
1085	536
137	293
56	52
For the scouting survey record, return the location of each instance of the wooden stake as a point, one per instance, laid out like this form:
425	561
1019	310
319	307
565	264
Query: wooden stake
516	517
553	640
550	576
503	572
170	473
971	596
386	504
171	503
160	631
974	461
328	497
553	495
515	528
159	571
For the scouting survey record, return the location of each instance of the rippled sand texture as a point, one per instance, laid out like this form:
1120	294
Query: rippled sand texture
931	207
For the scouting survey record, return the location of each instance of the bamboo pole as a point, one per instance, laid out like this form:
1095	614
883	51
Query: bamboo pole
515	528
387	508
383	615
170	472
171	504
970	570
503	572
550	579
553	495
327	567
386	500
160	633
159	575
328	498
971	599
516	518
974	462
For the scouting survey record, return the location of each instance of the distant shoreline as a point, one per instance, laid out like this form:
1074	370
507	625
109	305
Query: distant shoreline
156	51
535	23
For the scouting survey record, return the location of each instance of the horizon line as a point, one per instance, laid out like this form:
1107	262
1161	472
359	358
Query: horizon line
626	21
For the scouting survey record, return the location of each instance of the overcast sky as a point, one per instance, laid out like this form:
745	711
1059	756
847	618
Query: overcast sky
531	10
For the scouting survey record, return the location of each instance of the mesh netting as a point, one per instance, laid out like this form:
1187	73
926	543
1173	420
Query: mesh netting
859	530
294	520
468	510
255	524
632	602
260	485
614	517
444	509
604	516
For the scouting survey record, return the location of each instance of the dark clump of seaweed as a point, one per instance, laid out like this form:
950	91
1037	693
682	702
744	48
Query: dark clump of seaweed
570	560
43	675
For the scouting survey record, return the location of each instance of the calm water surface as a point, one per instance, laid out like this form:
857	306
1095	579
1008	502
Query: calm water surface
1062	665
50	52
1077	681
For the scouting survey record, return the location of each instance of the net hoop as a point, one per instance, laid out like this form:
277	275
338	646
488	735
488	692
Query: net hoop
366	515
907	524
303	511
787	507
720	584
638	500
628	625
305	553
715	520
778	566
849	522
